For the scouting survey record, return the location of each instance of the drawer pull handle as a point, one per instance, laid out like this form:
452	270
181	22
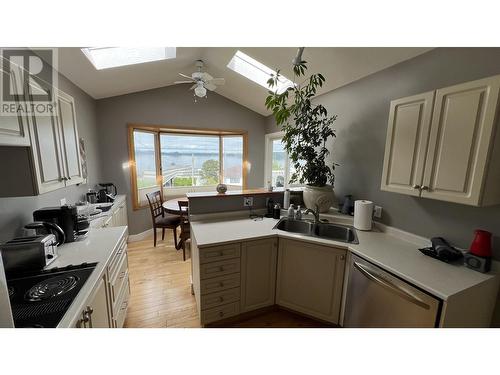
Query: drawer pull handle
221	268
221	284
221	314
221	299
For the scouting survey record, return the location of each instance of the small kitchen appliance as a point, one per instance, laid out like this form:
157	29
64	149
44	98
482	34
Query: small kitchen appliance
479	256
66	217
108	193
442	250
40	299
28	253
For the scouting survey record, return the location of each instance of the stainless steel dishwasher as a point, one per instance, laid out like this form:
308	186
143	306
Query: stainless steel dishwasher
375	298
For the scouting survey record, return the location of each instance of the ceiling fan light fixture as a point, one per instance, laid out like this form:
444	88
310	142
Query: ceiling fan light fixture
200	91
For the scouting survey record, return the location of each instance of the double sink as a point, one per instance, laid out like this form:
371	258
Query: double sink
329	231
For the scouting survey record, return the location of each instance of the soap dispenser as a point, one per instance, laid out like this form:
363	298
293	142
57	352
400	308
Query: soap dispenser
298	214
291	212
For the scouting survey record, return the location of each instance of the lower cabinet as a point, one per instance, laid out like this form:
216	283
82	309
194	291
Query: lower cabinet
230	279
96	312
258	273
108	303
310	279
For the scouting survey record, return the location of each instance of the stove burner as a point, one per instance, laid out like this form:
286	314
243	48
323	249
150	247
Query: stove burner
53	287
11	291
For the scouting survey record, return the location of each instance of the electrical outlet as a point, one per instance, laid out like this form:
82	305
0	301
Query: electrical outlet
377	212
247	201
63	201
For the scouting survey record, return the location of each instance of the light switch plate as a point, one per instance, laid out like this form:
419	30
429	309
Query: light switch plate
377	212
63	201
247	201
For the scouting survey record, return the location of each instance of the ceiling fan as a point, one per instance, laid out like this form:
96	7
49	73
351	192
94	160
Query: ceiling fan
202	81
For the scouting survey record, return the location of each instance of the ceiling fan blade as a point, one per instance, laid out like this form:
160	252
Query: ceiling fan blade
210	86
207	77
177	82
185	76
193	87
218	81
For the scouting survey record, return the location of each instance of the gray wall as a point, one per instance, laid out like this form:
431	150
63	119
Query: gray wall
15	212
171	106
363	107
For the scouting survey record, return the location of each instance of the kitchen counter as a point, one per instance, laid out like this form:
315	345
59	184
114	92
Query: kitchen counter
391	249
97	247
97	221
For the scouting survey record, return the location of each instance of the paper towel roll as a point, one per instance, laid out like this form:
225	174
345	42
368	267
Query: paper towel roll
363	212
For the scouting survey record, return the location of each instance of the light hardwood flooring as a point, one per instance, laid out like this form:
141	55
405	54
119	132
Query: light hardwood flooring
161	292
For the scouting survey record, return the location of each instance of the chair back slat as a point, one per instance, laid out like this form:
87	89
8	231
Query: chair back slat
155	204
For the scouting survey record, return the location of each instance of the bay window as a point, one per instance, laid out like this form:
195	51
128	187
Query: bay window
177	161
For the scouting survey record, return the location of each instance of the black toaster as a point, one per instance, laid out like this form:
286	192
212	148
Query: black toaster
28	253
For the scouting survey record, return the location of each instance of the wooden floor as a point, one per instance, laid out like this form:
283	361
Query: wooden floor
161	292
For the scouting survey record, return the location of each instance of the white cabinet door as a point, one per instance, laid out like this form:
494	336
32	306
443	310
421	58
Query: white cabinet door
69	136
96	313
310	279
14	129
406	144
461	137
46	144
258	273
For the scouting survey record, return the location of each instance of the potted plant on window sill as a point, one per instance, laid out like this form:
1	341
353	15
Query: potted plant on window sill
306	127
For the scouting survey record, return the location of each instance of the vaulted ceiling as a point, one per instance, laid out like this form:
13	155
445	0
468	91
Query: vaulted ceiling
340	66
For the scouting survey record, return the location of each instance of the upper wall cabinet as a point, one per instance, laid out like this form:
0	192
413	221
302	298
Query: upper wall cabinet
52	160
14	129
443	144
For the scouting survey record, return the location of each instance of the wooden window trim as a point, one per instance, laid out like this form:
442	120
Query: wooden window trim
157	130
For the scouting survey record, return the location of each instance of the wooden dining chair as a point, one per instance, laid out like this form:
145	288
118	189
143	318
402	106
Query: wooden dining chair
185	230
160	218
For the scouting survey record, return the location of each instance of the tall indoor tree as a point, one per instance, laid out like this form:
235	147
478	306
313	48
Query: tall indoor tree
307	128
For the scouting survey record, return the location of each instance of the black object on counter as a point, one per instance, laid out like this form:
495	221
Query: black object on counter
442	250
276	211
348	206
270	207
477	263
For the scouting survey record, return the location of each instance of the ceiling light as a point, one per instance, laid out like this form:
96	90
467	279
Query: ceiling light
200	91
257	72
111	57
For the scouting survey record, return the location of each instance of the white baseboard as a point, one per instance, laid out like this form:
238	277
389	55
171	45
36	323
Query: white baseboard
140	236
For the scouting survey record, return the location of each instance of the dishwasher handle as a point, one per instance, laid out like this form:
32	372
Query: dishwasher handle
402	292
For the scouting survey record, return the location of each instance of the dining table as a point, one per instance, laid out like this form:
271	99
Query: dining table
171	206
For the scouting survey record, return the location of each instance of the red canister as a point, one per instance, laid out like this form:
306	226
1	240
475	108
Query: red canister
481	244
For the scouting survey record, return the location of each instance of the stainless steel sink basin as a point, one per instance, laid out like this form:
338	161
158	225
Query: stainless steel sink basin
336	232
295	226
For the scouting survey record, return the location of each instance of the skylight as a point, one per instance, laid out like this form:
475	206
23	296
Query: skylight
111	57
256	71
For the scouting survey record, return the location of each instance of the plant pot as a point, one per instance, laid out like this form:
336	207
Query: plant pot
322	196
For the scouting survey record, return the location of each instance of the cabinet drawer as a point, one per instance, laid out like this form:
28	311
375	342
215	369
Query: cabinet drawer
119	279
117	258
223	267
220	312
209	301
217	253
218	284
121	307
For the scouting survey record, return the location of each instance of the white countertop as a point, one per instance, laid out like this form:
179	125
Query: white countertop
97	247
397	255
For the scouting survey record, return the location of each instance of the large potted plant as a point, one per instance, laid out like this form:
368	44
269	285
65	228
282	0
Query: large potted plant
306	127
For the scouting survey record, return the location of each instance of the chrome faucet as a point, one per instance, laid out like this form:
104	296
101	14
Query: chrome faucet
314	212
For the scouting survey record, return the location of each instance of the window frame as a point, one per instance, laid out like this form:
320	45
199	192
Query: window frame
162	129
269	138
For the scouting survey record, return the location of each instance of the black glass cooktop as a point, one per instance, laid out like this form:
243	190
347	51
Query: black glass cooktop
41	299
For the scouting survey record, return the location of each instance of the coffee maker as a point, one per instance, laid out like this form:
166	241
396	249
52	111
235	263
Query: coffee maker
66	217
108	193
